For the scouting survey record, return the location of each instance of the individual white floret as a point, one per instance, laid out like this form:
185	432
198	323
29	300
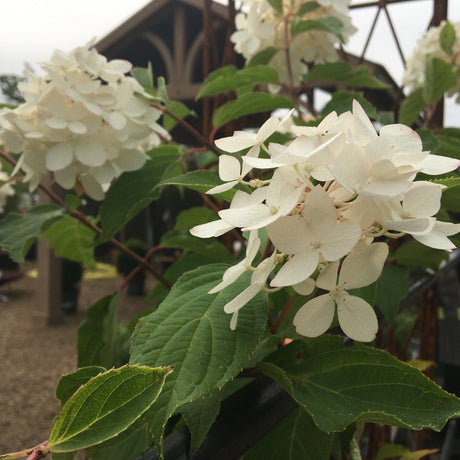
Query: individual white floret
356	317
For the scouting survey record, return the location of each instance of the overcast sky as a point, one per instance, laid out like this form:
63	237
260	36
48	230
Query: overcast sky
32	29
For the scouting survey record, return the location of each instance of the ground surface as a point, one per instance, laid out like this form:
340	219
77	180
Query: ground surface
33	356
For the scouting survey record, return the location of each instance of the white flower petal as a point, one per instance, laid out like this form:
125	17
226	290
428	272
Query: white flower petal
130	160
340	240
320	214
437	238
92	187
267	129
437	164
327	279
66	177
56	123
239	141
289	235
423	199
305	287
117	120
419	226
59	156
363	265
211	229
77	127
229	168
356	318
222	188
90	152
230	275
242	299
402	138
315	317
296	269
351	168
384	189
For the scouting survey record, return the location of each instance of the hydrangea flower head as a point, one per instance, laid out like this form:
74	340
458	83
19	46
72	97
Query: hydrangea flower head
259	26
324	198
429	44
82	121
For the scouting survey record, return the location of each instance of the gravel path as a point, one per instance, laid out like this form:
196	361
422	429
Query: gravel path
33	356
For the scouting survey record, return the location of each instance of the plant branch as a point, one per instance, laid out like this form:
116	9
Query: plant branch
33	453
283	314
187	126
85	221
138	268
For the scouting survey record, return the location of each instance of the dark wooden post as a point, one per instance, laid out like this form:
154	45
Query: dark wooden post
49	274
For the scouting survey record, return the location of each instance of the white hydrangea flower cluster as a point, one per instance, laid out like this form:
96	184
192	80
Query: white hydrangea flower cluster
82	121
335	189
429	44
260	26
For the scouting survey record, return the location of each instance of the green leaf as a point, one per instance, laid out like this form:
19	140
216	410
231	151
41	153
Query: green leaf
262	57
308	7
429	141
177	108
191	332
186	263
127	445
61	456
73	202
249	104
99	341
345	73
134	190
338	385
328	24
19	231
439	78
183	240
392	288
144	76
447	37
107	405
342	101
411	107
201	413
194	216
448	182
249	76
295	437
277	5
415	254
70	239
200	181
449	143
162	93
70	383
450	199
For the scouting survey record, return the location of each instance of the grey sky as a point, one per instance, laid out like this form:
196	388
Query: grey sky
32	29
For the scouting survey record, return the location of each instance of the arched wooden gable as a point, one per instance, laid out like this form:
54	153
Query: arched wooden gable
169	34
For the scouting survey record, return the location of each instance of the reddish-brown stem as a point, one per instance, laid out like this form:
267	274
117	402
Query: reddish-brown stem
39	452
138	268
187	126
283	314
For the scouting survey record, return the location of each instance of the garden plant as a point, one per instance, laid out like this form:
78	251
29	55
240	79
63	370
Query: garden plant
293	268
